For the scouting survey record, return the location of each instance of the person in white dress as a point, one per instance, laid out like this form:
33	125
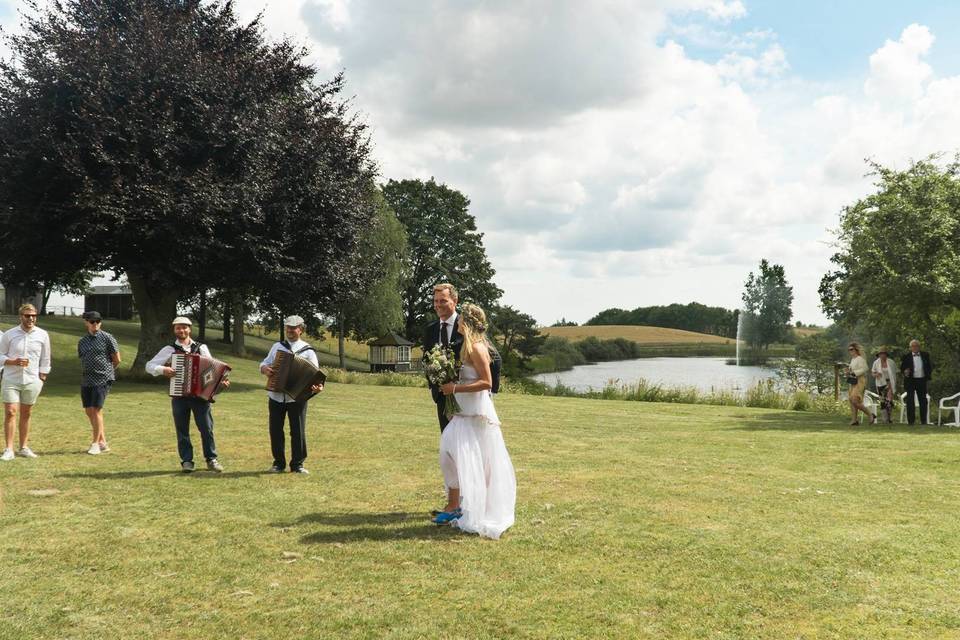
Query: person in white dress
477	471
885	376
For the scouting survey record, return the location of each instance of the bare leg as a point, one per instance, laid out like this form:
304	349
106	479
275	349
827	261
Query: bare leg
95	415
857	405
25	411
9	419
453	499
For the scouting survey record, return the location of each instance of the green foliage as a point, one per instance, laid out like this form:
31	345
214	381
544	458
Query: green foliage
516	336
596	350
563	322
165	141
559	354
767	301
897	265
690	317
811	369
375	306
444	245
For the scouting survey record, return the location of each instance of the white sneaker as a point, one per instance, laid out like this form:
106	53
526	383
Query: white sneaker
26	452
94	449
104	447
7	455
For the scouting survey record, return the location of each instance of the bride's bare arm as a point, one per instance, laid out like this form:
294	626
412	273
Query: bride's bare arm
479	360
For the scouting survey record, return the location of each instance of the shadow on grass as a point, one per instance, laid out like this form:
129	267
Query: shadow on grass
361	534
199	475
116	475
369	526
813	422
353	519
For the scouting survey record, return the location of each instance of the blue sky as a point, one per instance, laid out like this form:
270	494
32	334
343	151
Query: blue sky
621	153
830	41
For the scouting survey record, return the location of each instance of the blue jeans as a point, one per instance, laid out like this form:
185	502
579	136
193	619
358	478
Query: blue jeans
182	407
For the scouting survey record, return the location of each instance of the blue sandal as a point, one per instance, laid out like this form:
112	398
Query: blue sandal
447	517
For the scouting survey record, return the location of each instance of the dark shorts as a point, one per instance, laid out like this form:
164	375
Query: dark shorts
94	396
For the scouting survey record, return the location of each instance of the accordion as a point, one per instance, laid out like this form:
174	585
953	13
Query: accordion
196	375
294	376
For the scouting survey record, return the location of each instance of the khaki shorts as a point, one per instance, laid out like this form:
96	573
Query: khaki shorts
21	393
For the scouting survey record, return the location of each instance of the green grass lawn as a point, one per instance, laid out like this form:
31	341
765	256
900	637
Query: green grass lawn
634	520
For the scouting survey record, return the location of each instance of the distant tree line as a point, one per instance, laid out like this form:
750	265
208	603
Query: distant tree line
689	317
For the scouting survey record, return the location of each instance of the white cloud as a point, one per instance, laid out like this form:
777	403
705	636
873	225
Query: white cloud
897	71
726	11
771	62
606	164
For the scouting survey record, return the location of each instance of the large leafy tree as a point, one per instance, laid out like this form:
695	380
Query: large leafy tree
517	337
165	141
375	306
444	245
767	304
897	265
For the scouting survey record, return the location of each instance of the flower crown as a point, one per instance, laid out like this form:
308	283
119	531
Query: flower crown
474	317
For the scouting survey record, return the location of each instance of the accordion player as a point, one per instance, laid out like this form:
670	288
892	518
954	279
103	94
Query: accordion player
196	375
294	376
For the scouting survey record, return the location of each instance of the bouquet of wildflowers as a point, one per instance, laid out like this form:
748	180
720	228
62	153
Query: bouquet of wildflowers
440	367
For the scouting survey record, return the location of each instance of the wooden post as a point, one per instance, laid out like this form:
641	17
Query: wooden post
836	379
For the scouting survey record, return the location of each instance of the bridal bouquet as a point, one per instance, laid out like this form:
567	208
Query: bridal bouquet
440	367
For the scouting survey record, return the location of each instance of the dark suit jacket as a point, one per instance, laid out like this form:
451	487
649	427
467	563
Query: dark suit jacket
906	365
431	338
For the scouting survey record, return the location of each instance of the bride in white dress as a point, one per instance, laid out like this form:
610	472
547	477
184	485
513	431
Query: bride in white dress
481	485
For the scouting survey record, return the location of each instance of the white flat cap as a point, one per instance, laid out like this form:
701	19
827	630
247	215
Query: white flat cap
182	320
292	321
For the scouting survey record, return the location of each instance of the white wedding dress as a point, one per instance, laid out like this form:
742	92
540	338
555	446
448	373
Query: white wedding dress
474	458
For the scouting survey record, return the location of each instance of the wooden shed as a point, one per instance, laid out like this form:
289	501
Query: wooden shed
390	353
113	301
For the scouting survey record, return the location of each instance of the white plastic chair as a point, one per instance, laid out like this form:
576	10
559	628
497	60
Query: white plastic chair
903	408
946	406
872	402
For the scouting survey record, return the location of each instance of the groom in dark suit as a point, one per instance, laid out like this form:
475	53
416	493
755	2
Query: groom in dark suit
916	367
443	331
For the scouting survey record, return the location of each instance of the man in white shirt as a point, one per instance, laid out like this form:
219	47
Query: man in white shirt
184	406
282	406
25	351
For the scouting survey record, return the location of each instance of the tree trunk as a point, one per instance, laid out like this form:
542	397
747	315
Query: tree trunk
340	340
44	298
239	317
202	335
157	307
227	319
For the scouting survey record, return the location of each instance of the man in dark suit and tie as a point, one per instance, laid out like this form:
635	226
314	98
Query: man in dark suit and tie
916	367
443	331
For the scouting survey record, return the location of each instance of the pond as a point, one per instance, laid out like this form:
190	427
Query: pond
705	374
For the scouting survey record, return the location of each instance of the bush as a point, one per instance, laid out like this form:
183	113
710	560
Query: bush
560	353
596	350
